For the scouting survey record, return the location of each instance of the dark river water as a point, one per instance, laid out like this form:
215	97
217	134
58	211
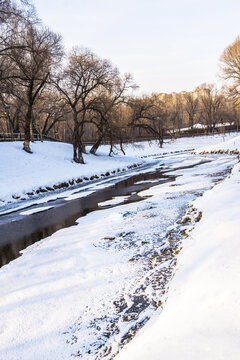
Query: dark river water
18	231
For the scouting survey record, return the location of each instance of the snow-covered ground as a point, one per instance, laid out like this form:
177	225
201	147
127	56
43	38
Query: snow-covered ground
83	290
22	174
201	318
50	164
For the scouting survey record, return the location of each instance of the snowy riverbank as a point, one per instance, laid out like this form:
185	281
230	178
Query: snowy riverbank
23	175
201	318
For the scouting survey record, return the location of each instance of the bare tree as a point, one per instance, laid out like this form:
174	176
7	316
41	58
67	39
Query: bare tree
230	66
79	83
148	113
105	111
230	63
236	115
21	9
176	116
30	64
12	110
49	110
211	106
191	108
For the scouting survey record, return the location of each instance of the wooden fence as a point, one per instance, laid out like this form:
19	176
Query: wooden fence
16	137
167	135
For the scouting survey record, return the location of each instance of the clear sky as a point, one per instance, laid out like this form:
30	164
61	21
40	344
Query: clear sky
167	45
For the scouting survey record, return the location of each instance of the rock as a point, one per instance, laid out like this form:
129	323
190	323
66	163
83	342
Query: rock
63	184
185	220
16	197
43	190
49	188
78	180
198	218
184	233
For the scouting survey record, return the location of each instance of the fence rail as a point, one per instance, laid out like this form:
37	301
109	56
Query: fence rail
16	137
167	135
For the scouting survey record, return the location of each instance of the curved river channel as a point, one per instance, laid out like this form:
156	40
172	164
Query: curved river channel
136	221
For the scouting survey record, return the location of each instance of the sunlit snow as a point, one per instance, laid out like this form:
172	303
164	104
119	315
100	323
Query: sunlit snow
80	292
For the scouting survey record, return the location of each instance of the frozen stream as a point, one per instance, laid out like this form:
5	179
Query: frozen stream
87	288
21	228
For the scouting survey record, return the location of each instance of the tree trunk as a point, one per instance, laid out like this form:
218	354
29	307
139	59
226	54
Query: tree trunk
111	147
191	124
77	153
16	129
160	133
27	135
96	145
77	145
160	140
84	148
121	146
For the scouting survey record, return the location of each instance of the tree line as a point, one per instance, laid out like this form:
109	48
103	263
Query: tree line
81	97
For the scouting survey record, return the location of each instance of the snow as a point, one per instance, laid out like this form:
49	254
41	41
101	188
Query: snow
114	201
50	164
36	210
229	145
146	181
199	126
201	319
78	195
60	296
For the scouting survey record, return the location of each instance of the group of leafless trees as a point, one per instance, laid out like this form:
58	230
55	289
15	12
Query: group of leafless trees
80	97
40	86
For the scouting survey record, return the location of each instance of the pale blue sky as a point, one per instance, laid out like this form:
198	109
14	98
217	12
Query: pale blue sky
167	45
